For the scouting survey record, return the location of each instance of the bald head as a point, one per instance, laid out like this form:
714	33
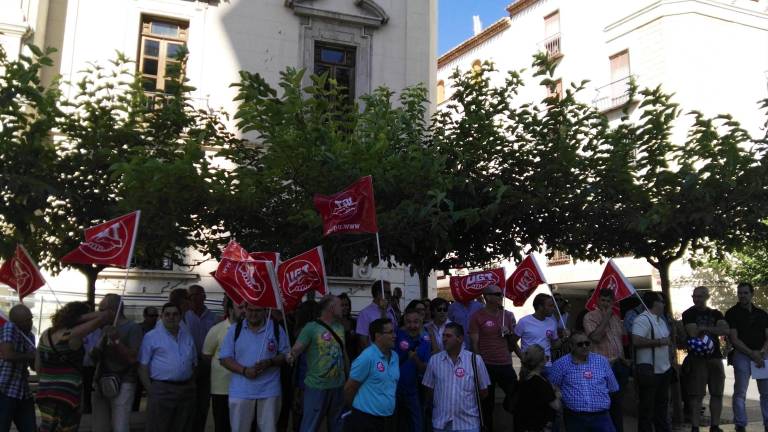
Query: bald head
21	316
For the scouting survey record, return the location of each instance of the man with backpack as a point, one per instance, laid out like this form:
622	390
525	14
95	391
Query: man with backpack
327	363
253	350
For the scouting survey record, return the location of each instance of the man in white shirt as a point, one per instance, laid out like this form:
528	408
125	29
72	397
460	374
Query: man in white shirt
651	339
540	328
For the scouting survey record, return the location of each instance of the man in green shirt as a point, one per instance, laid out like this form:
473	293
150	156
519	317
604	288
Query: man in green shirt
327	363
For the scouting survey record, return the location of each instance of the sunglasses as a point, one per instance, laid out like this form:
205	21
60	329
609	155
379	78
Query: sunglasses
494	294
583	344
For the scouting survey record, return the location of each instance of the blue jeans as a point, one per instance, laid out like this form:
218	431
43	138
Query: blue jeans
575	422
20	412
322	403
742	370
410	417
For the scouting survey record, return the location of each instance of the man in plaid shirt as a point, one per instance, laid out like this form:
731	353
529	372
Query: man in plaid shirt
17	354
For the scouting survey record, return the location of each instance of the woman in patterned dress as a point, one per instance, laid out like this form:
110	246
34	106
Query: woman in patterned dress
59	361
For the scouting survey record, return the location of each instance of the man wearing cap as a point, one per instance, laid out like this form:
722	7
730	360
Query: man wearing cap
490	329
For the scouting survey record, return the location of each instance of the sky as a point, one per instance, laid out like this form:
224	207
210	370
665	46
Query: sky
455	19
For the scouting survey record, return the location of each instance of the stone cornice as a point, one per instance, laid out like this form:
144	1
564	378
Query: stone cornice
378	18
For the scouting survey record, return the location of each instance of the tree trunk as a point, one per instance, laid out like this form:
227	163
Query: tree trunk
91	274
676	394
665	285
424	282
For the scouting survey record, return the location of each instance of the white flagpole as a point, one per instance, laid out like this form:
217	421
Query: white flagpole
128	266
559	314
378	249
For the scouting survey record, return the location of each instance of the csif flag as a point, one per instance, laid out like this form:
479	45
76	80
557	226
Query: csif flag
21	273
614	280
110	243
246	280
352	210
301	274
469	287
524	281
273	257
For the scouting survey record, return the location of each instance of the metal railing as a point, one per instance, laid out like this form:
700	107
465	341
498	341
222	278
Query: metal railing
552	45
613	95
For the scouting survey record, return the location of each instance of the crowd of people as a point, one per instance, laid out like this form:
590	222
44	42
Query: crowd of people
432	366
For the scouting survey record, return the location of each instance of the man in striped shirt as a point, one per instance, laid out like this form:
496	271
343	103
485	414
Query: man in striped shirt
450	382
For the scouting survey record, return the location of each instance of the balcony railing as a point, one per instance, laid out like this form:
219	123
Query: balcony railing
552	45
613	95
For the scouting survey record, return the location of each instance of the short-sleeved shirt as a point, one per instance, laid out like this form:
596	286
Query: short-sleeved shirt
252	347
651	326
168	357
532	411
492	346
378	381
371	313
705	318
325	358
585	387
14	376
610	346
750	324
220	376
130	336
409	373
460	314
200	325
533	331
453	384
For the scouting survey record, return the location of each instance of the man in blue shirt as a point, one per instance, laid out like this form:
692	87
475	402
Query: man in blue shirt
253	350
414	348
585	380
167	361
372	382
460	313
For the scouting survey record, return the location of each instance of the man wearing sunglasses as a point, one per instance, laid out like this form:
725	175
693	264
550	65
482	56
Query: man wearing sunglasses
439	311
585	380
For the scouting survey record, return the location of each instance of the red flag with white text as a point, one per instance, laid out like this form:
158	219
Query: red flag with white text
110	243
301	274
614	280
352	210
254	281
21	273
230	290
273	257
470	287
524	281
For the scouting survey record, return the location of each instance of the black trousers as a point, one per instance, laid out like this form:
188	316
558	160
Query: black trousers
621	372
203	386
358	421
503	376
653	412
171	407
220	410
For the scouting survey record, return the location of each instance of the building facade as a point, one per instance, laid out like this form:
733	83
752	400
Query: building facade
712	54
364	44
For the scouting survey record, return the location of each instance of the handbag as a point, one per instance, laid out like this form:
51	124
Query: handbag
109	385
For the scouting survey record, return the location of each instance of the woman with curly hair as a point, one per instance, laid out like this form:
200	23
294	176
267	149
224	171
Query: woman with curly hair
58	364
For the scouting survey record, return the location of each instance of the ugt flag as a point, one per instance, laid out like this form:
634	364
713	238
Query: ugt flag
524	281
614	280
469	287
246	280
273	257
352	210
300	274
110	243
21	273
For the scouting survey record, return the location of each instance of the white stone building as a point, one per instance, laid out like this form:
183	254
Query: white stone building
712	54
363	43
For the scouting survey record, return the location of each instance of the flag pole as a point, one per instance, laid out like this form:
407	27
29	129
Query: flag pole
128	267
559	314
378	249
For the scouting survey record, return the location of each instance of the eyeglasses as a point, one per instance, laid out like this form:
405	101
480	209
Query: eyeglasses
494	294
441	309
583	344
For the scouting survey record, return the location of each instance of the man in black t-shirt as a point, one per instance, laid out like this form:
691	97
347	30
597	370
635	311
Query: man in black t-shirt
704	326
749	328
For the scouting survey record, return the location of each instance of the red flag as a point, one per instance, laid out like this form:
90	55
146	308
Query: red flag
524	281
230	290
21	273
614	280
253	281
235	252
300	274
469	287
352	210
110	243
273	257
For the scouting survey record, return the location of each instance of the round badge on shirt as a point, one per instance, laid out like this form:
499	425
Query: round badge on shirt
549	333
587	374
271	346
404	345
380	366
425	337
326	336
459	372
489	323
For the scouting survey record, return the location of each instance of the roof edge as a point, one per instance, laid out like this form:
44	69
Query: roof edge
491	31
